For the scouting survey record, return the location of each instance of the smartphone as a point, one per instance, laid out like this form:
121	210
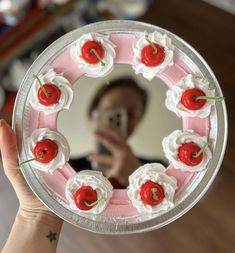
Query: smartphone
115	118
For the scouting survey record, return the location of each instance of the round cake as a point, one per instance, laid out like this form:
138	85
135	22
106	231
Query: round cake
156	195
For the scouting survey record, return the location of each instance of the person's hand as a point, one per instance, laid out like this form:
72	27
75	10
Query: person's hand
35	227
29	203
122	162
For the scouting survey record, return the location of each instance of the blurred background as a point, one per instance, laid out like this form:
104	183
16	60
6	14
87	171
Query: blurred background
28	27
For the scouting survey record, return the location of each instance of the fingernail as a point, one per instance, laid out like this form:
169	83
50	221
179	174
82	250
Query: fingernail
2	122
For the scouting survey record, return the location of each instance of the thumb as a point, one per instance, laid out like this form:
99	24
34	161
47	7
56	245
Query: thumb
9	151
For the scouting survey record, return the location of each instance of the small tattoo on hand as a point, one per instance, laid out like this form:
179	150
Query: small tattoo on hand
51	236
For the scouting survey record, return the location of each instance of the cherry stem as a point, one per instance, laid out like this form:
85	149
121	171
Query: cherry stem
33	159
155	196
102	199
217	98
201	150
151	43
41	85
97	55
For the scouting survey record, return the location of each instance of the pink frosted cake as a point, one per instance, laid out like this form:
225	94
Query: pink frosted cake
153	189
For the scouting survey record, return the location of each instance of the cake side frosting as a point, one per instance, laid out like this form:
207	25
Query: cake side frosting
122	57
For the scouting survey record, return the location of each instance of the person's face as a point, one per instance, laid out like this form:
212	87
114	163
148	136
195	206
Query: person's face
128	99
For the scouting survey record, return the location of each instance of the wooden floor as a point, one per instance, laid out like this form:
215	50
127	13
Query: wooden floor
210	225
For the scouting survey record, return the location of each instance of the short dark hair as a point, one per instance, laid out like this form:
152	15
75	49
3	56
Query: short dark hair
126	82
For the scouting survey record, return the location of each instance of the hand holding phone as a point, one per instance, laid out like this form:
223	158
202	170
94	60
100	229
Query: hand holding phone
115	118
121	163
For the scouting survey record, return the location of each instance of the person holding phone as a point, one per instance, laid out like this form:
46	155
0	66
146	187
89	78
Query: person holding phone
117	109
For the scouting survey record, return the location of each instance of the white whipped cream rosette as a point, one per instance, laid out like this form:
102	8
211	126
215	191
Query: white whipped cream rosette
97	182
62	83
174	141
162	40
174	94
63	149
151	172
94	70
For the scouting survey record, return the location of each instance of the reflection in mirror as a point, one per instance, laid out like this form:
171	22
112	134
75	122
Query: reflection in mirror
117	123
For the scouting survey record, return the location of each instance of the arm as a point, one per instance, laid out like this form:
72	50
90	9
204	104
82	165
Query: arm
35	229
35	232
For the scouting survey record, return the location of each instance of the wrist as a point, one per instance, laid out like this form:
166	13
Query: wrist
38	232
43	217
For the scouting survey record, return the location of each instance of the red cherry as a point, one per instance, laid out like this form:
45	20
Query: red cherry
149	58
88	55
187	152
54	94
189	101
46	150
84	197
152	193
